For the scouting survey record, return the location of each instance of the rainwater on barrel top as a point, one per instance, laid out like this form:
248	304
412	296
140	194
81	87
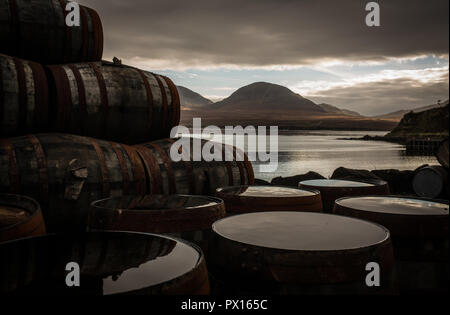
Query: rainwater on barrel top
266	192
335	183
300	231
395	205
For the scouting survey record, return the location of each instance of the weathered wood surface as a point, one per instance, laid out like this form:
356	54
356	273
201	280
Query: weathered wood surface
65	173
112	102
36	30
20	217
193	177
23	97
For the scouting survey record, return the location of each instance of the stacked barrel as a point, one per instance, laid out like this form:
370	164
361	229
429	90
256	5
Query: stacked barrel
74	130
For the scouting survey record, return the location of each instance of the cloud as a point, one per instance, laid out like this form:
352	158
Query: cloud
169	34
381	92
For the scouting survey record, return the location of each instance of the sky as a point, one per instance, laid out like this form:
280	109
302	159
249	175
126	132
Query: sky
322	50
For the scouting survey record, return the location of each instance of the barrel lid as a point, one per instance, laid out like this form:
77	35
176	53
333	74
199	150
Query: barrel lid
112	262
265	192
395	205
336	183
16	209
296	231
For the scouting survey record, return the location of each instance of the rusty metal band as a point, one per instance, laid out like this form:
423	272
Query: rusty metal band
249	168
81	89
97	30
168	165
164	98
13	170
102	86
228	166
175	102
41	97
42	165
137	169
148	90
189	169
14	25
67	34
240	166
153	169
23	95
63	104
103	168
123	167
85	34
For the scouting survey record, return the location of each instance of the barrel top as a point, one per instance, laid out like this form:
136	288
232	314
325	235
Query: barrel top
395	205
118	262
157	202
335	183
301	231
265	192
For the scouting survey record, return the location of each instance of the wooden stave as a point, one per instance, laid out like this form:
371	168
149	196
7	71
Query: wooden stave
20	113
52	42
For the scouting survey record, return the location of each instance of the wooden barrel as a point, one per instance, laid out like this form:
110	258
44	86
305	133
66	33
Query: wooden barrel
36	30
431	182
111	263
332	189
186	217
419	230
442	154
23	97
19	217
192	176
299	253
112	102
65	173
247	199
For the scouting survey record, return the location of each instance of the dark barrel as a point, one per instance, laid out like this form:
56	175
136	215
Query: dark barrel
431	182
112	102
333	189
247	199
36	30
111	263
193	176
442	154
19	217
186	217
65	173
419	229
299	253
23	97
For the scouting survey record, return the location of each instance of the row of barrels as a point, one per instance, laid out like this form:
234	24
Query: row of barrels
65	173
297	250
95	99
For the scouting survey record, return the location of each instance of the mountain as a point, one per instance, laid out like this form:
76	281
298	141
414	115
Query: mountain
190	99
400	113
335	110
262	96
432	123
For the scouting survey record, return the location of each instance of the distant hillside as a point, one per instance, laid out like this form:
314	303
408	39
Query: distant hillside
335	110
191	99
264	96
431	123
400	113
